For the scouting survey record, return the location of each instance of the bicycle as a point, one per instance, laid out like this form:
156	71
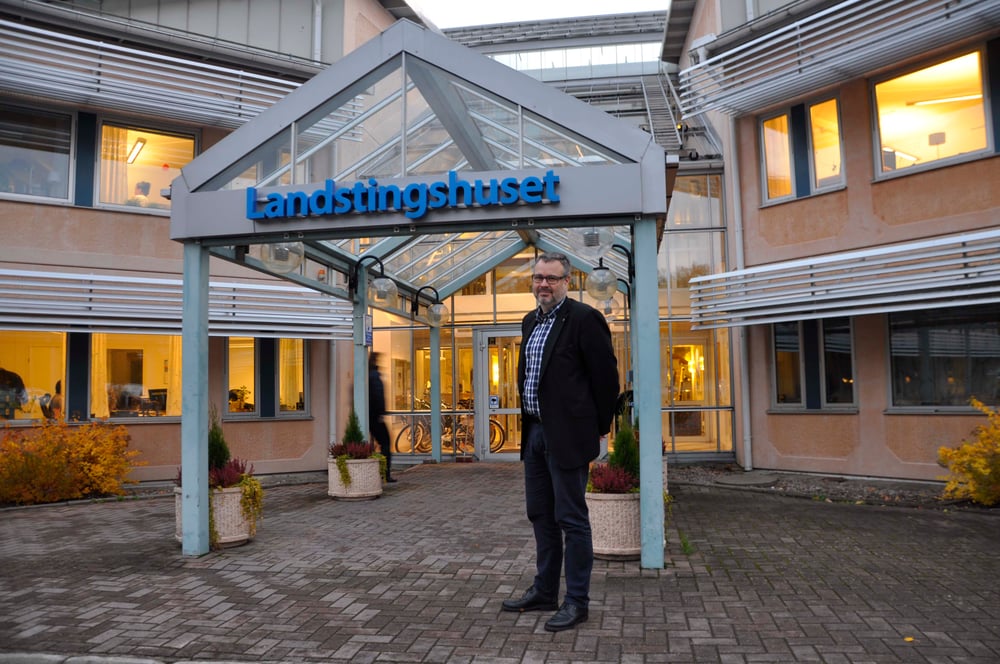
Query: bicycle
460	435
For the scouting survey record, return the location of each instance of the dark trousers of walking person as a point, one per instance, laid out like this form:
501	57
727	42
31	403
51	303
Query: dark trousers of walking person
380	432
556	506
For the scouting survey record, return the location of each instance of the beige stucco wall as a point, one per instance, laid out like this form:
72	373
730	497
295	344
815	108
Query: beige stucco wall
951	199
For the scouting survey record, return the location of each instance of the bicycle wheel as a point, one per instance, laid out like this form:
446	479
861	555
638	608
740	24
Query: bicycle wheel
422	438
404	440
464	438
498	436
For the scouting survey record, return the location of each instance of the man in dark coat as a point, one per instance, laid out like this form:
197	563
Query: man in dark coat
568	382
376	409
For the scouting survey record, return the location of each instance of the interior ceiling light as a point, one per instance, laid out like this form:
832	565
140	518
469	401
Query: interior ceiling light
137	147
591	244
282	257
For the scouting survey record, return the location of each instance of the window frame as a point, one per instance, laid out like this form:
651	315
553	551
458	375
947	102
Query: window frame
255	389
812	369
161	129
801	151
877	147
267	394
71	156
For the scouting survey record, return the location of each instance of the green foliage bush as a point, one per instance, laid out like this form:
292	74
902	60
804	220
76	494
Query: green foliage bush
975	466
218	449
53	461
621	473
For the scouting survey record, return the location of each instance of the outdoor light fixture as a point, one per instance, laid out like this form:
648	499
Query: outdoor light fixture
282	257
610	309
628	254
601	282
591	243
437	313
381	290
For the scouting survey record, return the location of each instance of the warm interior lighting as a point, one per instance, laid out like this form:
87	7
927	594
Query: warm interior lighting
944	100
137	147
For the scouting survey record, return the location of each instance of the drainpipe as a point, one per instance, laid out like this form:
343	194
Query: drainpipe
734	171
317	49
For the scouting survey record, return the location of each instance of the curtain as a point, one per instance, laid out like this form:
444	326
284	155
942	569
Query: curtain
99	375
290	372
114	167
174	380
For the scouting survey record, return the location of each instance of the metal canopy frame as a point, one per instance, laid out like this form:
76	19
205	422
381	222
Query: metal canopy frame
405	87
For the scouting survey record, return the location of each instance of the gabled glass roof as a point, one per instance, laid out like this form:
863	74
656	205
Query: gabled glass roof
408	116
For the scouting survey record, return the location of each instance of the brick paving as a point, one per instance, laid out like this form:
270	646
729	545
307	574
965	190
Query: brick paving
418	576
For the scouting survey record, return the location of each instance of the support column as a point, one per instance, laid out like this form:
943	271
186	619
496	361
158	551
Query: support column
647	391
361	353
194	402
435	395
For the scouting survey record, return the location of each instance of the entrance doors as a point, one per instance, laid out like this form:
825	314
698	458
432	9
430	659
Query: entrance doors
498	422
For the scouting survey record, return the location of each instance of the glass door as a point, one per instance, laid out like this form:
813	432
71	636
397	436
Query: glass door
498	421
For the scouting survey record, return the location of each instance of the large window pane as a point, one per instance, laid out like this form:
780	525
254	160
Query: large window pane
931	114
34	152
696	202
838	361
32	367
242	375
824	130
291	375
787	363
777	157
945	357
138	163
135	375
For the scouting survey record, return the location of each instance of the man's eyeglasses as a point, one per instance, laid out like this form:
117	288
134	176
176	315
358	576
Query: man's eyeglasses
550	279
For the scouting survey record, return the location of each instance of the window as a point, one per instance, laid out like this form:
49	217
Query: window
945	357
777	157
931	115
34	152
291	375
802	151
138	163
242	367
135	375
813	364
32	370
266	377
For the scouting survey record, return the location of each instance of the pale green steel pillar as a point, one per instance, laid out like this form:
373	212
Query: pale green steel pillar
435	395
647	389
194	402
361	353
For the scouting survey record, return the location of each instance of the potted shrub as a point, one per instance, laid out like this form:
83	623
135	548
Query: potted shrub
354	469
236	501
613	500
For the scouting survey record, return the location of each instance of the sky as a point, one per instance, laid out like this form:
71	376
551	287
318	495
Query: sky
460	13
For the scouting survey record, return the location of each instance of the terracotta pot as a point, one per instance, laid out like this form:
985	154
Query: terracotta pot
231	525
616	525
366	480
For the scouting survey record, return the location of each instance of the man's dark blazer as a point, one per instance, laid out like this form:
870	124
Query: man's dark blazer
578	386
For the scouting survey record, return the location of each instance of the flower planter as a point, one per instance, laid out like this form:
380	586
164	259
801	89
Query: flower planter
366	479
231	525
615	525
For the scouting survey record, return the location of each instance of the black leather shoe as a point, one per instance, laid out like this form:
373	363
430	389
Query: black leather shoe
391	479
569	615
530	601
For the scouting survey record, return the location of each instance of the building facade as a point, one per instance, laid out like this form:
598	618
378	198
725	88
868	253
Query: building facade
861	168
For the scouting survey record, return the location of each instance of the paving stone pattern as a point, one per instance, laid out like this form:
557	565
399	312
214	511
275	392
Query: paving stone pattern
418	576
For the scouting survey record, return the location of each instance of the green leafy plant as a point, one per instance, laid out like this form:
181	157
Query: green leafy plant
226	471
354	446
975	466
621	473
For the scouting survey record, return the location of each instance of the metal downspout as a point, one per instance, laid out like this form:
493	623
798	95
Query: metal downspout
734	172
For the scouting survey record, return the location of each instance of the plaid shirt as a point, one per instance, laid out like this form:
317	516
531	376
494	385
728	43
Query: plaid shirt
533	359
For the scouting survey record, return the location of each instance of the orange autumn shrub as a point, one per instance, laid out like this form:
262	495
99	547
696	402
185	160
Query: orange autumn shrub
974	466
53	461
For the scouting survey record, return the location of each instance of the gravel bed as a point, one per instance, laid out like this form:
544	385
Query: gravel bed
829	488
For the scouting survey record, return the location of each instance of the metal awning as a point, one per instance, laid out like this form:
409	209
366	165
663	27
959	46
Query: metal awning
928	274
836	44
36	300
